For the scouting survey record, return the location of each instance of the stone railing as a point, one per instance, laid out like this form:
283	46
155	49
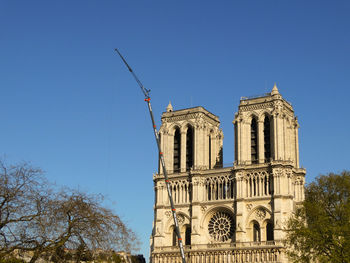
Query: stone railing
248	253
222	246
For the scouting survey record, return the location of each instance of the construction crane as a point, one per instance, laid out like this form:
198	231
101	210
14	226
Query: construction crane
161	156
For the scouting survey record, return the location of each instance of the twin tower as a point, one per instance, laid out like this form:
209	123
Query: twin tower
228	214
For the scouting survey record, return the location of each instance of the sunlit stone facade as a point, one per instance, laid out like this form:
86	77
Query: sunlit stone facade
228	214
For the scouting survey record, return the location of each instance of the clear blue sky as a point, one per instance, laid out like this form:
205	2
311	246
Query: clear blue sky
69	105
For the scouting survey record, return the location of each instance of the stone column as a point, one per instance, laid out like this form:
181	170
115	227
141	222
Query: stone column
206	148
183	151
261	155
296	146
275	156
239	138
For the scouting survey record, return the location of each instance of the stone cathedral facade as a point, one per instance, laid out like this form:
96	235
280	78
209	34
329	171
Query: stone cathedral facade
228	214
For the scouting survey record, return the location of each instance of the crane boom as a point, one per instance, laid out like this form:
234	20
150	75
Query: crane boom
161	156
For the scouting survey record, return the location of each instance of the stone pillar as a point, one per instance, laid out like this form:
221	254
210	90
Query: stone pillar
183	151
261	155
275	157
206	148
296	146
239	138
195	148
246	142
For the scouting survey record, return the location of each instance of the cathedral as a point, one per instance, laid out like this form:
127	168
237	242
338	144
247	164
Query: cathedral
228	214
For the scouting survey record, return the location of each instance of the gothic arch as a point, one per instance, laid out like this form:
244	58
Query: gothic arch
259	213
252	116
210	212
173	128
182	218
186	124
263	114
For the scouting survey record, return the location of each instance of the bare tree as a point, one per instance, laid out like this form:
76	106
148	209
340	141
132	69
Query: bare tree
55	224
21	192
74	220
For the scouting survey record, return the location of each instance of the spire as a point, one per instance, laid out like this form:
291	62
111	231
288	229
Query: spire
274	90
169	108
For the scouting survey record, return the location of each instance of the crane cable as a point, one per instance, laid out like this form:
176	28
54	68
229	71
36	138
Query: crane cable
161	156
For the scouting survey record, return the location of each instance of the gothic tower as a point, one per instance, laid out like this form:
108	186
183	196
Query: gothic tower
228	214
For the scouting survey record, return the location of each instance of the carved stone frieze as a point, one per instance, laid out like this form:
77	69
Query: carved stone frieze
190	116
257	106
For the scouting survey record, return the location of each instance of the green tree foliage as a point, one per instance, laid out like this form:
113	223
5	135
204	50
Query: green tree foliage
320	228
11	260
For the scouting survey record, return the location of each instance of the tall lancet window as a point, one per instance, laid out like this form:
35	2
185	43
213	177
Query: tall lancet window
189	148
269	231
267	139
256	232
177	150
254	141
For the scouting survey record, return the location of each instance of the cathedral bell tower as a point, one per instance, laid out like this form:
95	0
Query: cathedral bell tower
266	130
228	214
270	182
190	139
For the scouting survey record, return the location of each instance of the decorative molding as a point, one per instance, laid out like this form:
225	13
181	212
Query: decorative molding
191	116
256	106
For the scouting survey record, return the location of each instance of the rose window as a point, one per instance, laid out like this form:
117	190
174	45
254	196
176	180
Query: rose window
221	226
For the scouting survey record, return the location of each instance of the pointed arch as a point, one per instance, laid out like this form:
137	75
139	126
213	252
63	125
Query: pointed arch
177	150
267	138
254	140
189	147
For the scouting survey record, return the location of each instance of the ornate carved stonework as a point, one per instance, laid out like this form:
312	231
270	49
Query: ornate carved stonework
180	219
256	106
260	213
167	213
221	226
249	207
225	213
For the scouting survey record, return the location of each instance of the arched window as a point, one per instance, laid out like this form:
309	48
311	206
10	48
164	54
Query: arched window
177	150
269	231
254	141
189	148
267	139
256	232
209	191
174	237
188	236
